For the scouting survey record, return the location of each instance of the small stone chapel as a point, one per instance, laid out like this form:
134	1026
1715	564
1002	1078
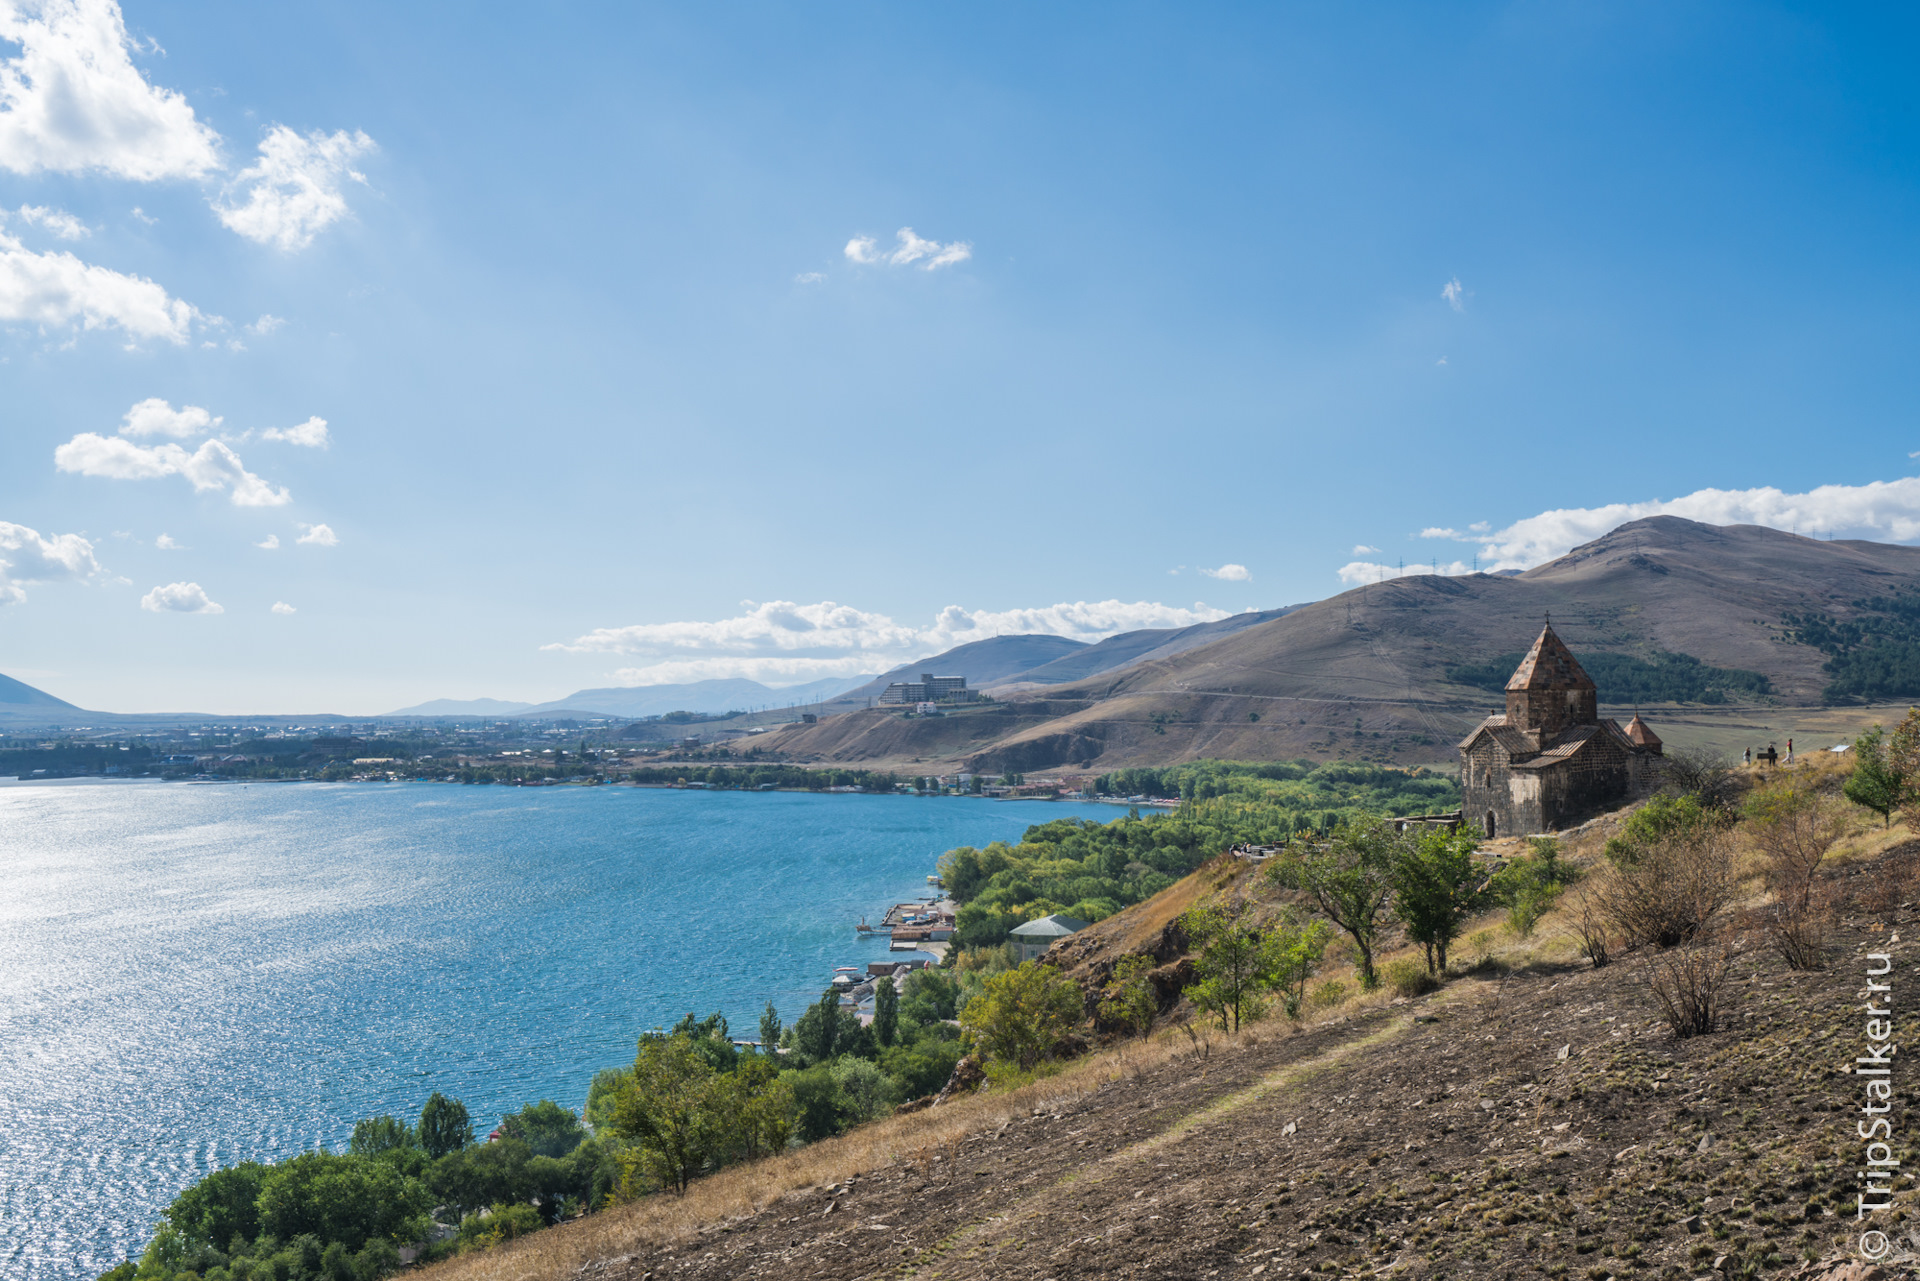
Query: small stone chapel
1550	761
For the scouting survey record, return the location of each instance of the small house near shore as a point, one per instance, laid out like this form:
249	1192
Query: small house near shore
1035	937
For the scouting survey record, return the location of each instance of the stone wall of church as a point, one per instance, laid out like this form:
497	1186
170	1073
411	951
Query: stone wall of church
1491	788
1575	790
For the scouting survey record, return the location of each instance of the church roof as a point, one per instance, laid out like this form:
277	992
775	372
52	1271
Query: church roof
1549	665
1564	748
1640	734
1509	737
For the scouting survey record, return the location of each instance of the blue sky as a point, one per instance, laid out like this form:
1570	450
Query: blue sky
621	375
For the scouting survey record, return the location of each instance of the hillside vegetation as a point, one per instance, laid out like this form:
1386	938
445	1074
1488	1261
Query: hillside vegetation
1091	870
1536	1115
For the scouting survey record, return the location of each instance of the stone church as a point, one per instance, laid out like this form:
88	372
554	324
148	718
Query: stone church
1550	761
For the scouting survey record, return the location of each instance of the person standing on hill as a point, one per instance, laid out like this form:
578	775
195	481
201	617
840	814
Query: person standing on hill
1749	756
1789	751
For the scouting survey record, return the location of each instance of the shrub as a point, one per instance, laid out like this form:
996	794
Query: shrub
1666	886
1528	887
1128	1001
1592	928
1328	994
1687	983
1408	978
1797	932
1793	827
1020	1016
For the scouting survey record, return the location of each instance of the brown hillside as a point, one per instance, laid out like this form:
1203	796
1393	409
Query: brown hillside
1364	674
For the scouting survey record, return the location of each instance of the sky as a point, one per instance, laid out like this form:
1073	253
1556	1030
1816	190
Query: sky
358	355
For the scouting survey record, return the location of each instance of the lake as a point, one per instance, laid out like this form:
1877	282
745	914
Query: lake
195	975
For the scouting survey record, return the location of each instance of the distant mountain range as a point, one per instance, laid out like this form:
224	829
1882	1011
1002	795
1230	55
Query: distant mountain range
464	707
712	697
1391	671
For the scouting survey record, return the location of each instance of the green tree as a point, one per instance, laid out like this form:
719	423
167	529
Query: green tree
606	1086
1020	1016
444	1126
1292	951
379	1135
340	1198
930	996
669	1110
1128	1000
546	1128
1232	967
770	1029
866	1093
1350	881
828	1030
1875	783
886	1011
759	1104
1433	884
222	1206
483	1174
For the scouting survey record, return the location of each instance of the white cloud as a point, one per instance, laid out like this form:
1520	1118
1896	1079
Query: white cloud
281	607
53	289
166	543
265	325
1885	509
318	536
180	598
27	557
1361	549
1456	296
212	466
1360	571
1230	573
270	543
311	433
155	417
784	640
73	101
292	192
908	249
809	277
1436	531
58	221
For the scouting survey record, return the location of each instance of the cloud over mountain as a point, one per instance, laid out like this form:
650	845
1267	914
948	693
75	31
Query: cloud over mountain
782	640
1884	509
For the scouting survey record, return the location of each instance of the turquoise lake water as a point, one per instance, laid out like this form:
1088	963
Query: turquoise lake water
194	975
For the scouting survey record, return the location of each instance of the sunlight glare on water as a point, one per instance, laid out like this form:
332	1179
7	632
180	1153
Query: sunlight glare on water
192	976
